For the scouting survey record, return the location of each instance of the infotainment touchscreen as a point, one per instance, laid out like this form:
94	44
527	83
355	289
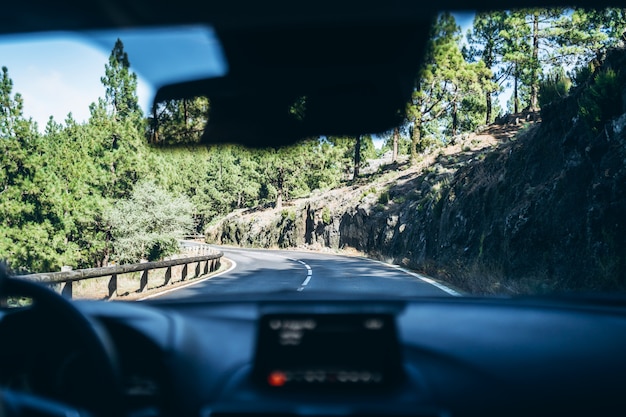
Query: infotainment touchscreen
327	350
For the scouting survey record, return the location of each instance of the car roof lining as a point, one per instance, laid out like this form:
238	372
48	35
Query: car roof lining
336	55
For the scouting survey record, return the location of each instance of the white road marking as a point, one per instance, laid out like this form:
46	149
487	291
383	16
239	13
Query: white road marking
433	282
419	276
309	273
233	266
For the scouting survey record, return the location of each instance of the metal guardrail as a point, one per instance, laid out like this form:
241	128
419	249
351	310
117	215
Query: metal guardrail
211	263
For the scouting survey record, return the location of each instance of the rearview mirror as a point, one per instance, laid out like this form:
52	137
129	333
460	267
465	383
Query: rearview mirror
279	89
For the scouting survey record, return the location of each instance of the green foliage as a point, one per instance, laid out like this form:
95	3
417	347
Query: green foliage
58	185
486	44
298	108
345	152
179	121
56	210
326	215
289	215
11	106
121	85
404	143
149	224
553	87
582	74
474	112
59	210
27	220
282	170
586	34
445	80
383	198
602	100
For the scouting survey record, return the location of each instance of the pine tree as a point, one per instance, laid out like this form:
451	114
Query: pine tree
487	44
117	127
11	106
445	79
121	85
586	34
530	47
26	227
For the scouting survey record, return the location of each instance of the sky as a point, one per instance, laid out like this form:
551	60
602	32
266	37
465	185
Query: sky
57	76
61	74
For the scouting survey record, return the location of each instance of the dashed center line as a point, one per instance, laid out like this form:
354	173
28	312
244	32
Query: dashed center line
309	274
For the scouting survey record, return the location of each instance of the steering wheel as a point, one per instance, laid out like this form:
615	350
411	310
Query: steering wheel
101	393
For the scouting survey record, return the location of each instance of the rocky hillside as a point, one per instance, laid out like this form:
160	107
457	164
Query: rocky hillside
521	207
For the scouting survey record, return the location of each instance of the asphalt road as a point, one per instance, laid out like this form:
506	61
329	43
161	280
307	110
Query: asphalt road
258	271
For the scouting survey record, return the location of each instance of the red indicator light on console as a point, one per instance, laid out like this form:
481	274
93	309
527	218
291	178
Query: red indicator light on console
277	379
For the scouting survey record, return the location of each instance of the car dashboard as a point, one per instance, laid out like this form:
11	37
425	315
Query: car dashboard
313	357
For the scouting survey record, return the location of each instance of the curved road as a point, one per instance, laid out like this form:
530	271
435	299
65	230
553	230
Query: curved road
258	270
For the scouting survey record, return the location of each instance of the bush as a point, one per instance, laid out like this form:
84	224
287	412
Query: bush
383	198
583	74
287	214
553	88
601	101
326	215
149	224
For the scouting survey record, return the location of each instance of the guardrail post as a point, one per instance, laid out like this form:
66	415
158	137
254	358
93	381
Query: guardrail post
67	287
66	278
144	280
168	275
113	286
183	274
67	290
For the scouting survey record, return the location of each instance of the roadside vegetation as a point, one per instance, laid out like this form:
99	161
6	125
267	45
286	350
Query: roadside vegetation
108	190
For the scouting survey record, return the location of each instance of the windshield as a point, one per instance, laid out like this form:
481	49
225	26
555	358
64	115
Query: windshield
505	173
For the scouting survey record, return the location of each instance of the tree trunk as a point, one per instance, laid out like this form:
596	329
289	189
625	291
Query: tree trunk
279	198
515	92
489	58
455	118
396	134
186	113
534	79
488	103
155	125
415	141
279	189
357	157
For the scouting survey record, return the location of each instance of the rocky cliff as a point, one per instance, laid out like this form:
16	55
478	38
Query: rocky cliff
532	207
